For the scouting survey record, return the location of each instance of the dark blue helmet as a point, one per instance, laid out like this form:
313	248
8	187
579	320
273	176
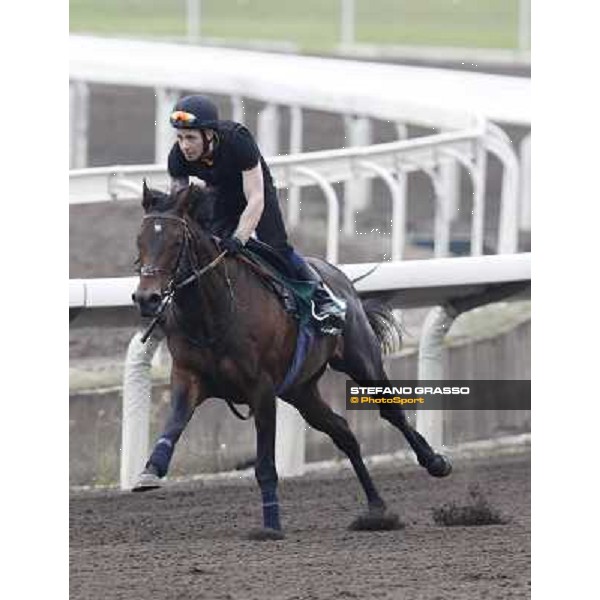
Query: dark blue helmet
195	112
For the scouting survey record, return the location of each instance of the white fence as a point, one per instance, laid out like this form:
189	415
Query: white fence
418	283
437	98
391	162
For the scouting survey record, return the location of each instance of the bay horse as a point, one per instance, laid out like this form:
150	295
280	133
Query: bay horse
230	338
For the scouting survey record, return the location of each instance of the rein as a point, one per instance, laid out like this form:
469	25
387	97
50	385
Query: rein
172	287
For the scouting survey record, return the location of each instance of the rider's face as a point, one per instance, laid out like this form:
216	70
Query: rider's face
191	143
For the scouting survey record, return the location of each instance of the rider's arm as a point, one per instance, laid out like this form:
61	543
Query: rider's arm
253	190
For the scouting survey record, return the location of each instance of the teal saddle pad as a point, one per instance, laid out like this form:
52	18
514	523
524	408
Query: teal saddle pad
283	284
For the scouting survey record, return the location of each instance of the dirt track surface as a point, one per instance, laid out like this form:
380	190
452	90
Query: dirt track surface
188	541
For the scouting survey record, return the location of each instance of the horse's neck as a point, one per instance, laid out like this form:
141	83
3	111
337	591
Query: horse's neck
202	302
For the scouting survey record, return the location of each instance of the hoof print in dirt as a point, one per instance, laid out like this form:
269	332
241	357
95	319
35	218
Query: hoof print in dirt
376	520
440	466
265	534
477	511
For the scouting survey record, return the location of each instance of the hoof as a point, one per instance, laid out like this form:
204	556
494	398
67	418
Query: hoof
147	482
440	466
265	533
376	519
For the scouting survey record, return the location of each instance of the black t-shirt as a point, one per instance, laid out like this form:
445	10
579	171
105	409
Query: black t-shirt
235	152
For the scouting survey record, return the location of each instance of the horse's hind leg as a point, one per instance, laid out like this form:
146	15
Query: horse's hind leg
317	413
364	367
437	465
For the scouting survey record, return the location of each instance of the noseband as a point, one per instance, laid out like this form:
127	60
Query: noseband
172	285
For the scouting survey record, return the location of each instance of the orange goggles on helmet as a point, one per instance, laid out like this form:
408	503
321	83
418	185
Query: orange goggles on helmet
180	117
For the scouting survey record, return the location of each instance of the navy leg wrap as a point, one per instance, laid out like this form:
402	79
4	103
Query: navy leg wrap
161	456
270	509
266	475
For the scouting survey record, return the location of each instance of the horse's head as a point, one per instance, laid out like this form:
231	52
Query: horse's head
164	242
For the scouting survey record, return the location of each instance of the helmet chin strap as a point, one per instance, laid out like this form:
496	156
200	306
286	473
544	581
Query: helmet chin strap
206	143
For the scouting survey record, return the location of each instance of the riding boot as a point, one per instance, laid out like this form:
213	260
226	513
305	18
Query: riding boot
328	310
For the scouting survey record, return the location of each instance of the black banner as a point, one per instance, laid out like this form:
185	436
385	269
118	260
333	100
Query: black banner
441	395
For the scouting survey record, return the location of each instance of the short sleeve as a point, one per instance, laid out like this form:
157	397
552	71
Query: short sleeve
176	164
246	152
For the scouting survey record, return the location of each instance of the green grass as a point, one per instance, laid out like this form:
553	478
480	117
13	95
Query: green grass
468	23
312	24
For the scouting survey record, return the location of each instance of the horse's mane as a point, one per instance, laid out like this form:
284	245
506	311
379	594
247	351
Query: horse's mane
201	203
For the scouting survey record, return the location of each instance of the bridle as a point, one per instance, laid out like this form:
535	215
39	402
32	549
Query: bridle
173	285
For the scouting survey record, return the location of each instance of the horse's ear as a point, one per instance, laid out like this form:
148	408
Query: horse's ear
185	200
147	197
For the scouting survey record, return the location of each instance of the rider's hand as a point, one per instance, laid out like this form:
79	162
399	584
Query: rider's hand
231	244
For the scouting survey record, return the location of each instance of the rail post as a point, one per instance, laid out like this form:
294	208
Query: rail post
79	117
137	390
430	423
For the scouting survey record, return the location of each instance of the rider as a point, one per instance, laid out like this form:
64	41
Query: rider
224	155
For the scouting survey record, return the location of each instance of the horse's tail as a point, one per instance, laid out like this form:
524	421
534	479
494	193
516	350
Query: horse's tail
385	325
365	275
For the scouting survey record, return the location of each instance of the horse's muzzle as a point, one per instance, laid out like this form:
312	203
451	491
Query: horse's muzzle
148	302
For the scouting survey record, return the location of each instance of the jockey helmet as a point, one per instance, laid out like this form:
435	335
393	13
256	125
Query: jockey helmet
194	112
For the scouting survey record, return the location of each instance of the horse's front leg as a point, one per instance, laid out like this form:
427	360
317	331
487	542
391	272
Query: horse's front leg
186	394
266	473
